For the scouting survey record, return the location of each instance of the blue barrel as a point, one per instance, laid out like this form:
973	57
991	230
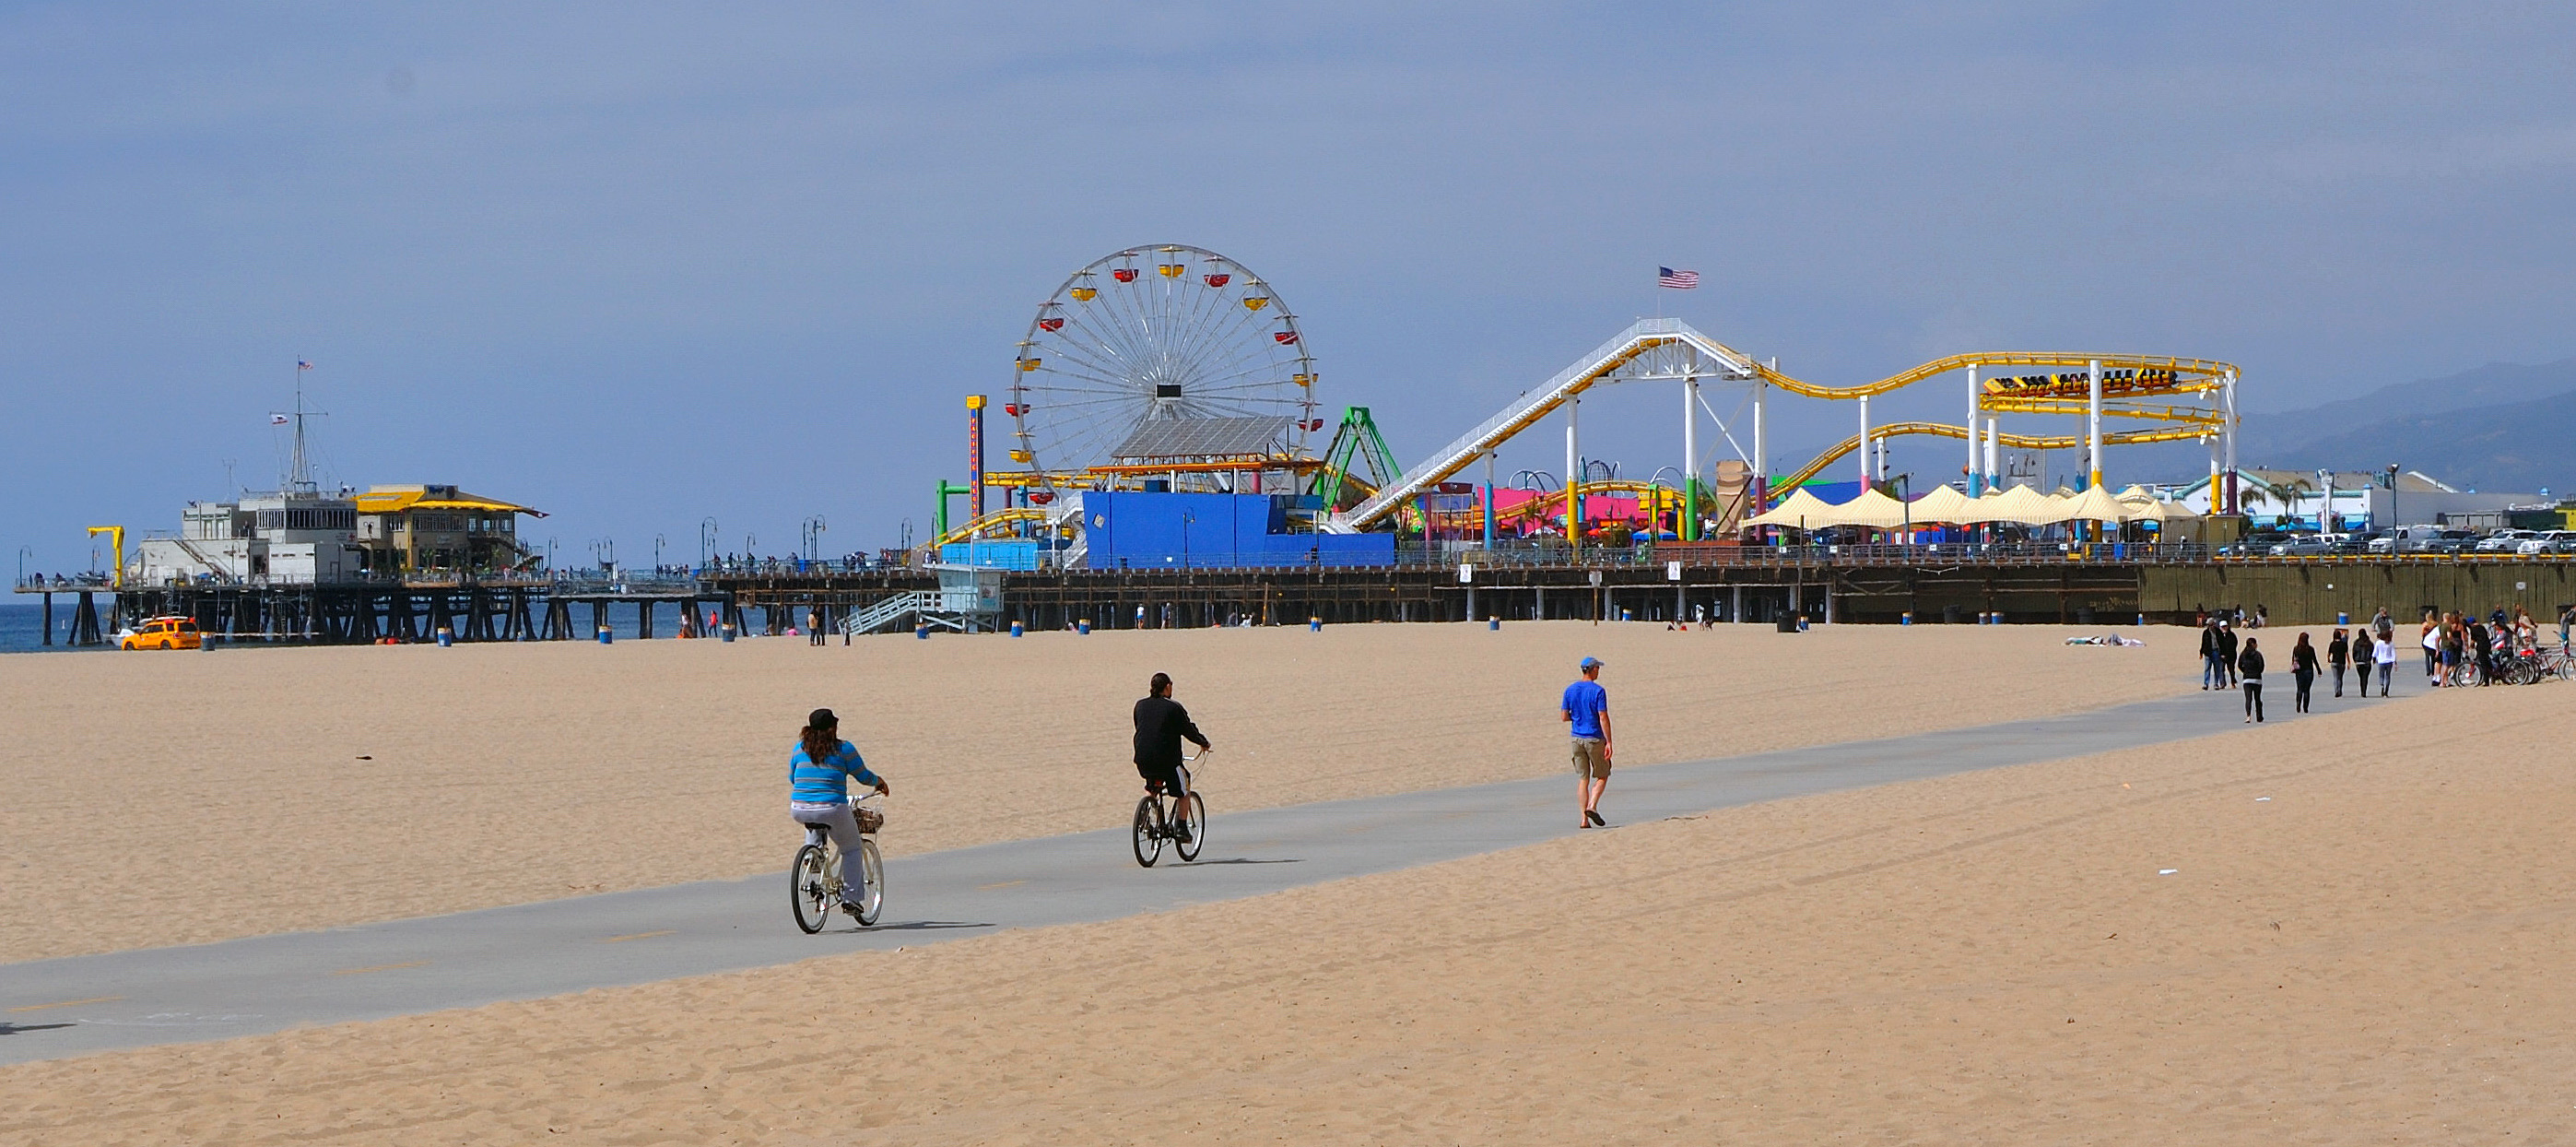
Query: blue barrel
1314	625
1015	629
921	630
1494	623
728	631
1907	619
607	635
2341	618
1625	615
1082	626
445	639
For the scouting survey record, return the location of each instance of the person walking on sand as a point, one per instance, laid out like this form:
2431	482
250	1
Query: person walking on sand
2383	655
2365	654
814	626
2432	639
2227	652
2339	655
2213	670
2249	671
1586	711
2303	672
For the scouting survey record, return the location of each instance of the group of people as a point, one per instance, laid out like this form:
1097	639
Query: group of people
2229	660
2233	660
2483	644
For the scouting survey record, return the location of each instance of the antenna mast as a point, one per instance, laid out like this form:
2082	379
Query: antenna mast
299	477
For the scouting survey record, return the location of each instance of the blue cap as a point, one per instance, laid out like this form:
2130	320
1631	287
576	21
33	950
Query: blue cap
1589	663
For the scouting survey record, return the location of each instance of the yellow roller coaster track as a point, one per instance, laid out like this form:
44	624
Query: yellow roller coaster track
991	521
2184	433
2157	374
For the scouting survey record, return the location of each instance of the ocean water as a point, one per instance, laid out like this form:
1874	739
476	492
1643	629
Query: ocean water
22	623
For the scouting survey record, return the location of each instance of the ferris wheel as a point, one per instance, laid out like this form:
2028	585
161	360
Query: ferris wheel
1159	333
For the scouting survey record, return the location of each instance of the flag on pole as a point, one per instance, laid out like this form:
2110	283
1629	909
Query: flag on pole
276	419
300	364
1677	280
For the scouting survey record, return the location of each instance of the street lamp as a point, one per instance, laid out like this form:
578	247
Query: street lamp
813	530
657	553
706	543
24	552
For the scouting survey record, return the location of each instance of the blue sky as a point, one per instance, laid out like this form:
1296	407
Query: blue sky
642	265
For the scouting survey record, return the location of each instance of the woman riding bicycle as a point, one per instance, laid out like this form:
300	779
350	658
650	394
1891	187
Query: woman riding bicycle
818	777
1161	723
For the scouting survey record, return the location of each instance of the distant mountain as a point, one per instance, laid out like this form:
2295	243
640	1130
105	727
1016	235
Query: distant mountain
2501	427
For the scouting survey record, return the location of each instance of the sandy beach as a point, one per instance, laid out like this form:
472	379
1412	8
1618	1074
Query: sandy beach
2337	930
282	789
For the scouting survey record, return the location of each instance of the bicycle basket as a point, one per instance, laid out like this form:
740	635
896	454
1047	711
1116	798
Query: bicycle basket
870	819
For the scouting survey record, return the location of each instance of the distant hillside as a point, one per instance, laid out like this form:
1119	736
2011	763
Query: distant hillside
2500	427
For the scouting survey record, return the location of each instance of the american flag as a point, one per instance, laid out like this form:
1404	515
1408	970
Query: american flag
1677	280
300	364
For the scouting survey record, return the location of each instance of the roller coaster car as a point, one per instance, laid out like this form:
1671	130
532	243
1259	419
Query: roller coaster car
164	633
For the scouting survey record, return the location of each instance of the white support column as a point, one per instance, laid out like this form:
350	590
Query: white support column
1761	477
1573	481
1976	419
1994	450
1683	529
1735	605
2093	424
1864	442
2229	394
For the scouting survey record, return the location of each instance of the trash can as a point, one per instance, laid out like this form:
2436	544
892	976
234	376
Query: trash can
1907	618
1314	625
1082	626
1015	629
607	635
921	630
728	631
1494	623
446	637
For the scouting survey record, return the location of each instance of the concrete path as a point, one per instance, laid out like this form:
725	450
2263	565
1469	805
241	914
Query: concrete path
239	987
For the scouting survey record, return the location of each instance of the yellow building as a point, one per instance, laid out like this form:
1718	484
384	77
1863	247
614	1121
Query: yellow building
415	529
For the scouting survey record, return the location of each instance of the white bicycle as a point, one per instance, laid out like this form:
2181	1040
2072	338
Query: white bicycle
814	883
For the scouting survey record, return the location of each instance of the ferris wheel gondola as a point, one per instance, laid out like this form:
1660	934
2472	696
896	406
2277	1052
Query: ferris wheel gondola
1160	333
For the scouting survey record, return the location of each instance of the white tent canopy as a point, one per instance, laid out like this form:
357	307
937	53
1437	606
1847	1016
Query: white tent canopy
1799	511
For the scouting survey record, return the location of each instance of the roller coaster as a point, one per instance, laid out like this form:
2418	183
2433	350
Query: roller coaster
2189	398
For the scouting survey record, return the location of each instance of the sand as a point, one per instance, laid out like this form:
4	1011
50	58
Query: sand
172	798
2376	952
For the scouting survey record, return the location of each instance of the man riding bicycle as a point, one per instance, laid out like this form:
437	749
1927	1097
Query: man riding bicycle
1161	725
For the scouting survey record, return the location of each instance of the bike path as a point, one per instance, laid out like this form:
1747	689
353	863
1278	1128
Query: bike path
78	1004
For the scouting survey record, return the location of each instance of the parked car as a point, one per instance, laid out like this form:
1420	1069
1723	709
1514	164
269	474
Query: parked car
2505	541
2307	547
2548	542
163	633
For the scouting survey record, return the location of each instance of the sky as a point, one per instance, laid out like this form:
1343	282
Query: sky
642	266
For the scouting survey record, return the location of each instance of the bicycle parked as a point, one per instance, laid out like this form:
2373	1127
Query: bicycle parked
814	881
1162	816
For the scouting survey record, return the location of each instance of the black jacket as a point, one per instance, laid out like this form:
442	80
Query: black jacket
1160	725
2208	640
2227	644
2249	665
2338	651
2303	659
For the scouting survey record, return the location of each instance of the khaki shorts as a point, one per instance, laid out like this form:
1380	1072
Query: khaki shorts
1589	760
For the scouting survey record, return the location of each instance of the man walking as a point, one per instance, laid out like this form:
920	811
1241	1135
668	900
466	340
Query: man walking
2227	655
1586	710
2213	672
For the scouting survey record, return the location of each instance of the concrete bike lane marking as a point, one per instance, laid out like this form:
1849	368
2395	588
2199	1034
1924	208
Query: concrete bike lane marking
403	967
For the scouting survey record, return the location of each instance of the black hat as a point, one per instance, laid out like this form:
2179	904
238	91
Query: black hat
821	719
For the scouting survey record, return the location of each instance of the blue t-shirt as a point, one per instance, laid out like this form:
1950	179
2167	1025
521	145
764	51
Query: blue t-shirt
827	782
1587	701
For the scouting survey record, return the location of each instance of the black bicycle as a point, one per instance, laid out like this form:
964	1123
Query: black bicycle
1161	817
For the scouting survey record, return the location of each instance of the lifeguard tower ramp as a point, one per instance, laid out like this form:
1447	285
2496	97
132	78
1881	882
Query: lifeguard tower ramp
969	598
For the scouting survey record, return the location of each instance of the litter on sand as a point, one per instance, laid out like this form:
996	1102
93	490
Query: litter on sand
2167	871
2108	639
2262	798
